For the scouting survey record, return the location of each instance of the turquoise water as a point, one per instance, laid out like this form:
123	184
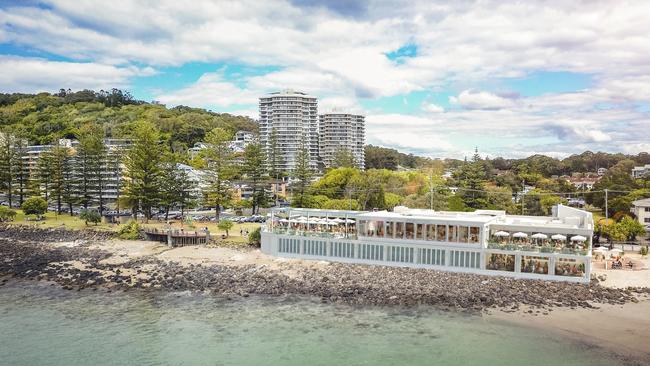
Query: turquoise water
43	325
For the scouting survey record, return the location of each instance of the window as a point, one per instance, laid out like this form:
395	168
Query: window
400	254
361	227
442	232
569	267
453	233
500	262
410	230
419	232
344	250
379	228
646	209
647	220
389	229
465	259
399	230
463	234
435	257
371	252
431	232
537	265
315	247
474	233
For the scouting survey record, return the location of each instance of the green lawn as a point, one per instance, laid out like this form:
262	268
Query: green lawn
52	220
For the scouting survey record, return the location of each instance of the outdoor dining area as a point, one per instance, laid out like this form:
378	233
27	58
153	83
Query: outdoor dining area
304	224
539	242
612	258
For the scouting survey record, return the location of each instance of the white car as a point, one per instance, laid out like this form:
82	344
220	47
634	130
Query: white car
647	228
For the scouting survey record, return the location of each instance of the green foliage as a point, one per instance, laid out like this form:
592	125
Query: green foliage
341	204
92	216
44	118
255	237
343	158
34	206
130	231
391	199
220	169
143	172
456	203
644	250
225	225
632	227
303	174
7	214
254	170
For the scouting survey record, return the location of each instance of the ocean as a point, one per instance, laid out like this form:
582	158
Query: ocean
46	325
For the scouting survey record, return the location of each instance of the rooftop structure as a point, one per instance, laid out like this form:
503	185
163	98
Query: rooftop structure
293	116
339	131
556	247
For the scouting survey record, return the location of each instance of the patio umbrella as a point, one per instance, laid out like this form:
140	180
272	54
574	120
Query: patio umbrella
519	235
558	237
539	236
284	220
501	234
600	250
616	251
578	238
340	221
350	221
332	222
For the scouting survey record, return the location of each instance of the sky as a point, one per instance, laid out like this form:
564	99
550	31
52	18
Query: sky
433	78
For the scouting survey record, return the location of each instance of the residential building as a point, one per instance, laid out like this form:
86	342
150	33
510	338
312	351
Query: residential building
293	116
641	209
601	171
339	131
487	242
640	171
241	140
584	183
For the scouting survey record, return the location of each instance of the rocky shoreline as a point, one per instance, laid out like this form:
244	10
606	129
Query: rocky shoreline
30	253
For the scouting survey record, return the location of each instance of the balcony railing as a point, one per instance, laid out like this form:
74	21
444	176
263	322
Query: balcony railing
313	234
536	248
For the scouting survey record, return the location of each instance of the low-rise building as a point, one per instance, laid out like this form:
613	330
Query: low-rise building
488	242
641	209
640	171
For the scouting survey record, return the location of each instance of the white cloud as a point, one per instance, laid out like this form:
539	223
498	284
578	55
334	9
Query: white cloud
462	47
432	108
33	75
211	89
470	99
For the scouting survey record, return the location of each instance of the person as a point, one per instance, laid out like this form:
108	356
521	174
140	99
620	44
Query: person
241	232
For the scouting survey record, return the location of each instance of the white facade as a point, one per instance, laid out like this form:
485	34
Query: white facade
640	171
294	117
341	131
641	209
483	242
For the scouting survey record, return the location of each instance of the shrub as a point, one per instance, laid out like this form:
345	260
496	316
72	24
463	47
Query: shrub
7	214
130	231
644	250
34	206
255	237
90	216
225	225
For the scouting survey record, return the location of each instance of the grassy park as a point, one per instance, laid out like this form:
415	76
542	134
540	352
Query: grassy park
52	220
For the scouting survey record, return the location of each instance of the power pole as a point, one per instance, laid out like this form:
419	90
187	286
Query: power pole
606	208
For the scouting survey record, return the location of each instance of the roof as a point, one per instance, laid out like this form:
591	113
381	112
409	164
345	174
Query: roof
643	202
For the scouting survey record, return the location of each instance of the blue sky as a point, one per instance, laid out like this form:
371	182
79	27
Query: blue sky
432	78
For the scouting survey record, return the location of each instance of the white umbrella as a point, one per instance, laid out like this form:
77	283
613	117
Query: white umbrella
350	221
332	222
539	236
501	233
558	237
340	221
519	235
616	251
284	220
578	238
600	250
